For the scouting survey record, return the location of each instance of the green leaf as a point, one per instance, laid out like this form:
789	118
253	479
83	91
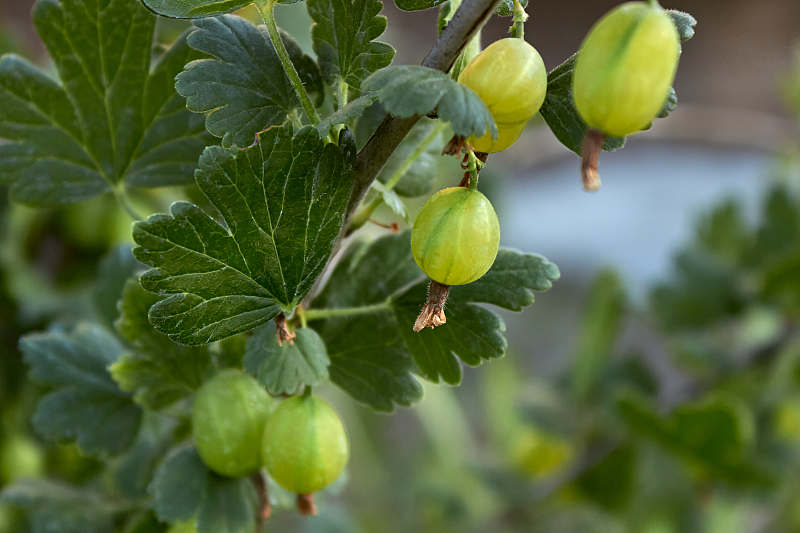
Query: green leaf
409	90
184	9
55	507
391	199
420	175
347	114
180	485
242	87
610	481
560	114
283	203
373	354
157	372
108	120
724	232
114	270
183	488
505	8
86	404
602	321
416	5
343	34
287	368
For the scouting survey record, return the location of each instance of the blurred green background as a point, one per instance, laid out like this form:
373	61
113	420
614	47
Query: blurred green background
655	389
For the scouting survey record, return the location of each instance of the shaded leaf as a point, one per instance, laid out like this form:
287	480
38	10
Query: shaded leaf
157	371
416	5
684	23
417	159
86	404
288	368
343	34
242	88
505	8
109	118
183	488
379	346
409	90
283	202
114	270
347	114
194	8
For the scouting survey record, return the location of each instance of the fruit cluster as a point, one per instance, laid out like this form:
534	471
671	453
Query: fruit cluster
238	429
623	74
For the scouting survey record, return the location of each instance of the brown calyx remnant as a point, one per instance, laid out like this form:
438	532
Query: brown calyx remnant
590	151
467	178
265	509
282	330
305	504
456	145
432	313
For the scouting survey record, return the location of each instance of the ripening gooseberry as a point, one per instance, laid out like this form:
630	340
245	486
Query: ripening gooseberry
625	68
456	236
228	419
305	447
510	78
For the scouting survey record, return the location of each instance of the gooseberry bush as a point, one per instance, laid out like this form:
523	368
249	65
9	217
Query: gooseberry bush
197	384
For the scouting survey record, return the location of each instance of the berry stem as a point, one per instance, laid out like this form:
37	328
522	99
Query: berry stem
517	28
474	168
266	10
305	504
590	152
264	507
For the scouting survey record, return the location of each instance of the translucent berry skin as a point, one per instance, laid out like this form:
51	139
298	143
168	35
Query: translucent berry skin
507	135
228	419
625	68
456	236
511	79
305	446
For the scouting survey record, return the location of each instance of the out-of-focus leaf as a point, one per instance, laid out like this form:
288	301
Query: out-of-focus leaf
86	404
114	270
194	8
416	5
610	482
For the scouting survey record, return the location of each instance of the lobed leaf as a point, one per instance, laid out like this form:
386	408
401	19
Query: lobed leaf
184	487
86	404
157	371
287	368
344	33
242	87
409	90
282	201
373	355
108	118
184	9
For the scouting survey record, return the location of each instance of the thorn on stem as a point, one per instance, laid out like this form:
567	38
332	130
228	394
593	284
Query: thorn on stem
282	330
432	313
590	151
305	504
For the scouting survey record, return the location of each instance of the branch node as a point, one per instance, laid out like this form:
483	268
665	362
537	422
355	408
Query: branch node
432	313
282	330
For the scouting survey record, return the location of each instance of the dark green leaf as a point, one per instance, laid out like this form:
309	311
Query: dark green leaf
684	23
86	404
779	230
109	119
505	8
113	272
242	88
288	368
379	346
346	115
602	321
781	282
184	488
724	233
560	114
416	5
60	508
409	90
134	471
610	482
391	199
180	485
283	202
157	371
184	9
343	33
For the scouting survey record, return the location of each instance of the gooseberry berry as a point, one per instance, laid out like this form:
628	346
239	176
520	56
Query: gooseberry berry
510	78
625	68
305	446
228	419
456	236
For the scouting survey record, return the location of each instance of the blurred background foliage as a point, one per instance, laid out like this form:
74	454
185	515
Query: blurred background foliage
644	396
